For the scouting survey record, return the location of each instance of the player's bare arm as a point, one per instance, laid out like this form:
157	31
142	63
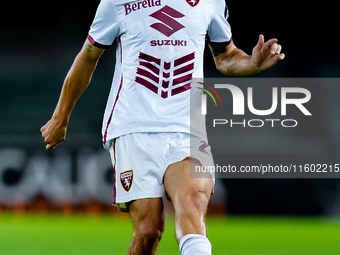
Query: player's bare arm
233	61
76	82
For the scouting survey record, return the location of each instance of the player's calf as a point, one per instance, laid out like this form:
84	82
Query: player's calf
190	210
190	222
148	219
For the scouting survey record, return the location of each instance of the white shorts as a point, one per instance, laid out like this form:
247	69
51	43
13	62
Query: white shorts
140	161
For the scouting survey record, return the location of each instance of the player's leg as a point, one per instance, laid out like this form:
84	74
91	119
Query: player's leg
138	187
147	216
190	197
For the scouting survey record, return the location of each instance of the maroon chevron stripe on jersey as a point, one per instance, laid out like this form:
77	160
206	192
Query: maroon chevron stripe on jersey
162	77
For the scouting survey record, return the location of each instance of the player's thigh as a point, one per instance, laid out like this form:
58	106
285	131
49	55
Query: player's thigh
147	215
180	186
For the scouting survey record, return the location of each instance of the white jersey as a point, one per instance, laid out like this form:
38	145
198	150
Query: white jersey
160	49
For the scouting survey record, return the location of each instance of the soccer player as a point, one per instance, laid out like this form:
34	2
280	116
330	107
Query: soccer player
146	124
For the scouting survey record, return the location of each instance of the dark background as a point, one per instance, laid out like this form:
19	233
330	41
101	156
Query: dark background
40	39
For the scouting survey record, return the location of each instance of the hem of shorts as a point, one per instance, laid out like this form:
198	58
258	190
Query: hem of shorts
170	162
123	207
140	196
145	130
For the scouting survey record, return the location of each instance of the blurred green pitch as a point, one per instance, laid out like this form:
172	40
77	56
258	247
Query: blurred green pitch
79	234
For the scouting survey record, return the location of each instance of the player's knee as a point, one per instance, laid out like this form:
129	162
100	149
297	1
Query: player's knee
152	235
150	232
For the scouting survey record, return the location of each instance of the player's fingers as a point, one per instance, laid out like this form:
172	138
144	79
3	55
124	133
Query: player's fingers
278	57
50	147
47	141
282	56
278	49
47	138
42	129
274	49
267	45
260	43
51	144
261	39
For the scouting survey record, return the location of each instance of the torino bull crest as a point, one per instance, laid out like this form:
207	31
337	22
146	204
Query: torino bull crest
126	179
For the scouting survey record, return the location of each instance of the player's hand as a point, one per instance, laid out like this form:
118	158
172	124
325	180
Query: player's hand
267	54
53	132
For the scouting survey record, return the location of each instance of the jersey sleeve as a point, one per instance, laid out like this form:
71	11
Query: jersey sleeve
219	30
106	25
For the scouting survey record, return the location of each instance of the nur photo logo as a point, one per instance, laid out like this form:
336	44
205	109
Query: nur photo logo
243	103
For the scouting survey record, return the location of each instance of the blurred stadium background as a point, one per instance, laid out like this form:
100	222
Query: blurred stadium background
38	43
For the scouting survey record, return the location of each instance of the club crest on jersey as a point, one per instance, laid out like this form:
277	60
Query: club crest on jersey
193	3
126	179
